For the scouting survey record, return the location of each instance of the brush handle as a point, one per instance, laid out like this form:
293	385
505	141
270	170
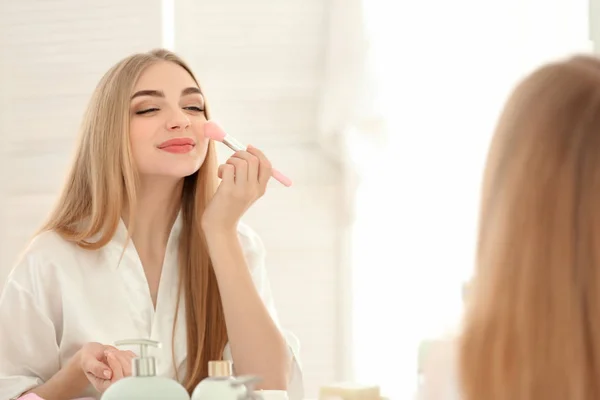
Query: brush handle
284	180
237	146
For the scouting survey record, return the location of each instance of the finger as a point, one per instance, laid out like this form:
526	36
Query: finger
265	168
227	174
253	164
96	369
241	169
100	384
115	365
124	359
220	172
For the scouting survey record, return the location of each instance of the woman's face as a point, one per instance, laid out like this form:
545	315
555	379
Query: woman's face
167	123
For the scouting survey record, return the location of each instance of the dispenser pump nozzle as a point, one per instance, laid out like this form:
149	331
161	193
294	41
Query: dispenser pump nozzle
143	365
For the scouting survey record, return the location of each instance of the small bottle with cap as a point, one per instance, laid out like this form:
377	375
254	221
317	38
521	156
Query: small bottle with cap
221	384
144	384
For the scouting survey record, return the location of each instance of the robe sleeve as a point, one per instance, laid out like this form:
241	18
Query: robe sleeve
29	352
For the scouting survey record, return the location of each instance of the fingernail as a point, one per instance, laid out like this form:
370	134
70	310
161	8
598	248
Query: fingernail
107	374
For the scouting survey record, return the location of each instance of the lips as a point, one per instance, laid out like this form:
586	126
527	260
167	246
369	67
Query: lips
177	142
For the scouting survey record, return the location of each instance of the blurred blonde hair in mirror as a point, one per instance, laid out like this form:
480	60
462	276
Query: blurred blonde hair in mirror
532	323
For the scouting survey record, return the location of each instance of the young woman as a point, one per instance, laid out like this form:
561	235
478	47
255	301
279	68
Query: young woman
145	243
532	328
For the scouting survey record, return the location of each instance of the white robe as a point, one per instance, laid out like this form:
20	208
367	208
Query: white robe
59	297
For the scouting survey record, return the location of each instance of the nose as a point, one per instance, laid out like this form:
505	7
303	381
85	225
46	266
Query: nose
178	122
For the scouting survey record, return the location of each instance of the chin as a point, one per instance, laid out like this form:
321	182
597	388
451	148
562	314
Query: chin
172	170
182	172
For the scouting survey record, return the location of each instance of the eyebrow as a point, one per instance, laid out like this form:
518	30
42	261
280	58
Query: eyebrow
160	93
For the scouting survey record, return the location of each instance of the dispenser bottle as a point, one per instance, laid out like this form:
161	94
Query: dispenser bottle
221	384
144	384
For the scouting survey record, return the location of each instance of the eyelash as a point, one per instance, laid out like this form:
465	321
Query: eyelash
149	110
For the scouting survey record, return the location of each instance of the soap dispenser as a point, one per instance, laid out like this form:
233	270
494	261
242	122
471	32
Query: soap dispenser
144	384
222	385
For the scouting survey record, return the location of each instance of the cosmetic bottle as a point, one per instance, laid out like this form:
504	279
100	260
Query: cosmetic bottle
144	384
222	385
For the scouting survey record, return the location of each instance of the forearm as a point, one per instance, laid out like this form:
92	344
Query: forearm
66	384
257	345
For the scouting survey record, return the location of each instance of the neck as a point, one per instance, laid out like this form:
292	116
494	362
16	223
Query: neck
158	203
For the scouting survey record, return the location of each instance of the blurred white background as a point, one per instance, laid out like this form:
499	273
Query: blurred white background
380	111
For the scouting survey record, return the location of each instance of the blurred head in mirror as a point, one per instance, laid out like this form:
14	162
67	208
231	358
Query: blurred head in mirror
532	326
143	130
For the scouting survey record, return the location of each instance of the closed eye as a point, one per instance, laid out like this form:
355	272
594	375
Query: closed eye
149	110
146	111
194	108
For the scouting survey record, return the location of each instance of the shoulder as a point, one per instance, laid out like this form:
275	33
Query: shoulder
38	263
252	245
49	248
36	278
48	243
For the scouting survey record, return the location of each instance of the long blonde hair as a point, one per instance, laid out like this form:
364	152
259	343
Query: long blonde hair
532	326
103	178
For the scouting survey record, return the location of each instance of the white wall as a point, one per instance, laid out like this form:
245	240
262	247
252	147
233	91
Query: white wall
595	24
261	65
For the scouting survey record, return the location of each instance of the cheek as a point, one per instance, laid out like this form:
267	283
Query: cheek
202	142
140	134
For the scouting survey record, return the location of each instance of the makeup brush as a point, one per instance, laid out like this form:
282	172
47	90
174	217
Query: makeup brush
213	131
